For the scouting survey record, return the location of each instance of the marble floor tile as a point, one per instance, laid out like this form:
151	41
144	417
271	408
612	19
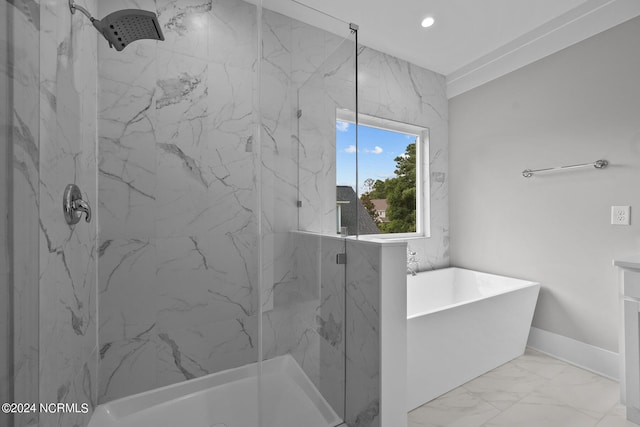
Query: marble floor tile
533	390
581	390
540	363
616	418
538	415
456	408
505	385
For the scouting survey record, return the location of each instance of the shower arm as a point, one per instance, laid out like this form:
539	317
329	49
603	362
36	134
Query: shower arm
73	7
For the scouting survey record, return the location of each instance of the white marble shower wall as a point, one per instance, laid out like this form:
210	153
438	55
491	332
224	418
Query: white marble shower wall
295	54
178	255
398	90
321	64
332	320
308	318
178	165
68	255
306	314
308	68
6	372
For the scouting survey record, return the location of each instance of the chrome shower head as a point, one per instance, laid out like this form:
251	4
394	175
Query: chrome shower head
126	26
123	27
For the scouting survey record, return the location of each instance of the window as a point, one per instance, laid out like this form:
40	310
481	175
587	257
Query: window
389	196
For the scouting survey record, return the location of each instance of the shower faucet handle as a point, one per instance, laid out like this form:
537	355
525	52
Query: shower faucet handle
82	206
73	206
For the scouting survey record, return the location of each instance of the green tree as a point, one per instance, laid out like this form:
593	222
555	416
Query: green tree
401	194
370	207
378	190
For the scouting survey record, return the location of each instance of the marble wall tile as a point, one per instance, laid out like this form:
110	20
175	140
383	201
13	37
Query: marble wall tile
127	160
127	366
307	320
308	315
332	379
19	126
331	324
230	121
127	286
397	90
278	152
328	89
205	348
186	26
179	121
363	334
233	37
181	206
310	47
308	263
322	78
6	338
220	280
105	8
330	314
317	160
315	312
68	255
180	240
81	390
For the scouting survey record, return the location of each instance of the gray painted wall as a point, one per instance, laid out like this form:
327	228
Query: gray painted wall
578	105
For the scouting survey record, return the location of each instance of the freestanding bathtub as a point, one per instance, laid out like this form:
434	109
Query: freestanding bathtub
461	324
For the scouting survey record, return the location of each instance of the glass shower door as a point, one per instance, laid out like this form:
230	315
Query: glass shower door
323	198
307	73
19	227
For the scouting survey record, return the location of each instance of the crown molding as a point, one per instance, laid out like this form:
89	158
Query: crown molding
580	23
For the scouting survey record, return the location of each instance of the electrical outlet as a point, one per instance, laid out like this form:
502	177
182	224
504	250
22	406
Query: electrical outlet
620	215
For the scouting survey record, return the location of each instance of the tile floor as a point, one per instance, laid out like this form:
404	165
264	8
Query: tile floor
533	390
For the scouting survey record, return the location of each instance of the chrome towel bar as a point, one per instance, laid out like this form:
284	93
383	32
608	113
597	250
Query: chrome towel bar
598	164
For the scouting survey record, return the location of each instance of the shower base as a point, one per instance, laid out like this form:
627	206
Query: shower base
227	399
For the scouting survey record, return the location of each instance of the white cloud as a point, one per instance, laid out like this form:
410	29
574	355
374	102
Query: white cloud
350	149
342	126
376	150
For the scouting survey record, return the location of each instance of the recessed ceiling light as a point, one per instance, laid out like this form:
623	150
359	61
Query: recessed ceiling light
428	21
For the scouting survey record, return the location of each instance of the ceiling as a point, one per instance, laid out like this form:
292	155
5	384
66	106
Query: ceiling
472	41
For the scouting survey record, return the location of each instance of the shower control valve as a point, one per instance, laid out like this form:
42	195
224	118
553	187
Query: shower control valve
73	206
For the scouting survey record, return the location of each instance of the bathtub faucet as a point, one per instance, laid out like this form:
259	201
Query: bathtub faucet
412	262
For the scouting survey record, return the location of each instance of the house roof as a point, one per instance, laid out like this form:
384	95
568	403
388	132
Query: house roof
366	225
380	204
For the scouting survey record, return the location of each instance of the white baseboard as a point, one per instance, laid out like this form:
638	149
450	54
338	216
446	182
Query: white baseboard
595	359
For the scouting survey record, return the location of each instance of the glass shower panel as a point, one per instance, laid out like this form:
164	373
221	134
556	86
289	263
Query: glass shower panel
307	74
6	341
323	140
19	226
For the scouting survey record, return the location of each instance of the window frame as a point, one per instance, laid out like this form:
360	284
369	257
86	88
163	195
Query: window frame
423	185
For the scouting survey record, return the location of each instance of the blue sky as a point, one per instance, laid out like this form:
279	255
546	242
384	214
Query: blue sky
377	149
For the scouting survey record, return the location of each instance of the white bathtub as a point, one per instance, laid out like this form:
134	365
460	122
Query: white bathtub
226	399
461	324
